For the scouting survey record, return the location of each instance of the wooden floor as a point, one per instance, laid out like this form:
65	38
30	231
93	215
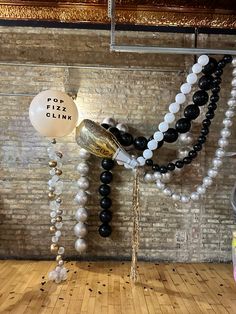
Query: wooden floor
104	287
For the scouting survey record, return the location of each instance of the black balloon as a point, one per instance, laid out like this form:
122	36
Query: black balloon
115	132
197	147
204	130
217	81
179	164
105	202
192	154
206	122
104	190
228	58
105	216
107	163
126	139
187	160
215	89
210	114
218	72
191	112
202	139
221	64
105	230
149	162
200	98
205	82
163	169
171	166
105	125
212	106
106	177
214	98
155	167
183	125
210	67
140	143
171	135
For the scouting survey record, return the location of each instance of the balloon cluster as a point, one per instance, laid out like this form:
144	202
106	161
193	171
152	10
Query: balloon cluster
58	274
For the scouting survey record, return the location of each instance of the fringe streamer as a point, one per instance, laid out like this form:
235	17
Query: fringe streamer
136	219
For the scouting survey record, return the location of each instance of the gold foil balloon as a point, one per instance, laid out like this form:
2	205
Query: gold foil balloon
52	163
100	142
53	113
53	229
54	248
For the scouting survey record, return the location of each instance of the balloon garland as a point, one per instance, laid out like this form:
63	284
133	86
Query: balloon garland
81	199
54	114
55	190
105	215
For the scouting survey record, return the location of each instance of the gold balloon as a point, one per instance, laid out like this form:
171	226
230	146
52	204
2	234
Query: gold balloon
59	219
53	229
51	195
52	163
54	248
59	154
100	142
58	258
58	172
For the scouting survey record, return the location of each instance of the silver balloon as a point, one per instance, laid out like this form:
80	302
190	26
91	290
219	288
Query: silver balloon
183	152
83	168
122	127
83	183
149	177
84	154
166	177
81	214
80	245
81	198
186	138
80	230
109	121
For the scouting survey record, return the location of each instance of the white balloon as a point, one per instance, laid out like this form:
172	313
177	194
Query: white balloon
53	113
186	138
80	230
109	121
83	183
81	198
122	127
83	168
81	214
166	177
80	245
84	154
148	177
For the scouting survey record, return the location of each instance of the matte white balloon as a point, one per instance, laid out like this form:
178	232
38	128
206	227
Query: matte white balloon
163	126
109	121
203	60
81	198
158	136
152	144
80	230
180	98
147	154
169	117
141	161
83	168
80	245
197	68
84	154
192	78
53	113
174	107
83	183
81	214
185	88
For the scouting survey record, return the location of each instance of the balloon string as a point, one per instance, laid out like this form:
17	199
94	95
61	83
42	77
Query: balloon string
135	232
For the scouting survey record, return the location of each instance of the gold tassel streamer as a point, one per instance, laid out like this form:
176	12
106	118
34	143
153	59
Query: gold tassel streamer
136	219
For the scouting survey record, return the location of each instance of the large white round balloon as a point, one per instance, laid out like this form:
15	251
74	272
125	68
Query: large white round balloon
53	113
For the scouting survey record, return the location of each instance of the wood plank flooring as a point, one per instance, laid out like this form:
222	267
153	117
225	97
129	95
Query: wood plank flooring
105	287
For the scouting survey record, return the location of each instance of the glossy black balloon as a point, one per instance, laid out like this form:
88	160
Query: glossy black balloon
215	89
202	139
228	58
105	216
179	164
191	112
149	162
107	163
204	130
212	106
187	160
171	166
104	190
105	202
218	72
163	169
115	132
197	147
170	136
206	122
210	67
214	98
156	167
205	82
126	139
183	125
192	154
106	177
140	143
105	125
221	64
159	144
210	114
200	98
105	230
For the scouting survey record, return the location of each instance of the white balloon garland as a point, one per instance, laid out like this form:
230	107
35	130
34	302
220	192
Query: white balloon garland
81	198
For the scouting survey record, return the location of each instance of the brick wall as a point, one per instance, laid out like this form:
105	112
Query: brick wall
133	88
